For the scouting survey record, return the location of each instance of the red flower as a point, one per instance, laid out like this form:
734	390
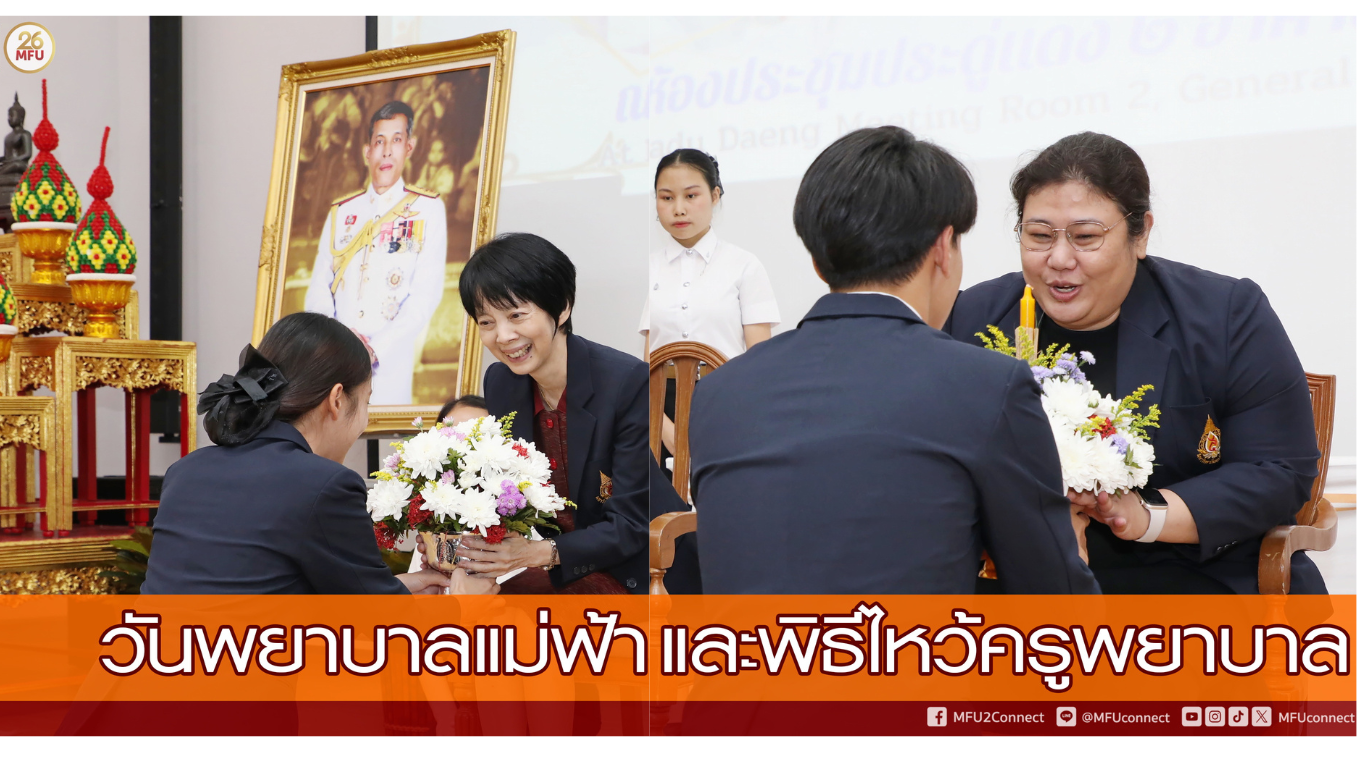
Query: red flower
417	515
520	449
384	538
495	534
1105	429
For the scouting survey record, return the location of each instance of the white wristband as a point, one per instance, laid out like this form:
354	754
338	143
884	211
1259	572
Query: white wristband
1157	517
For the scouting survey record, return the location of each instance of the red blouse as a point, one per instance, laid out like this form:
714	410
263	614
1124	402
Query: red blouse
551	435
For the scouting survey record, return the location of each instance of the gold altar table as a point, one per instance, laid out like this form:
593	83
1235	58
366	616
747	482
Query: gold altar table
74	367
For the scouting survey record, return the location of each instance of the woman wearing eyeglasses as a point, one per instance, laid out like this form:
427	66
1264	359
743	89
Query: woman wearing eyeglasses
1236	452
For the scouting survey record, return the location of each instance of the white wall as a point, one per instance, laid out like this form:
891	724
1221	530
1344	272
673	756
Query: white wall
232	81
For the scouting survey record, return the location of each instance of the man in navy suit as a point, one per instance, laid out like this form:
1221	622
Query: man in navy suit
866	451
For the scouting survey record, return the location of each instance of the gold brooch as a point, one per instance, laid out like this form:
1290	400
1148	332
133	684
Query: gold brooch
1210	442
604	489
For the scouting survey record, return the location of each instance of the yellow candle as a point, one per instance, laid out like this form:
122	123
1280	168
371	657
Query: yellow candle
1027	308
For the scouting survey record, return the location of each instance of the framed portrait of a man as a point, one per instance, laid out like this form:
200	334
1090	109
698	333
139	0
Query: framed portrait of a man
385	179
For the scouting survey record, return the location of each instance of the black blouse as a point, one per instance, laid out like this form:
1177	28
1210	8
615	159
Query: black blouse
1103	343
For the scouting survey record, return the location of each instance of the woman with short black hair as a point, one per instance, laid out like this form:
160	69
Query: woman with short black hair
584	405
270	508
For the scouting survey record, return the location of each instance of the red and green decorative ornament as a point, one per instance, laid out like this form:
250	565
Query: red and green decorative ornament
9	308
100	244
45	193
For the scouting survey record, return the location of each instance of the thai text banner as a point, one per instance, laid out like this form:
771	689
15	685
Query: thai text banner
635	665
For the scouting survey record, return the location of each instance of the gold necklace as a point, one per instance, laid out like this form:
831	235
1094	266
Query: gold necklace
545	401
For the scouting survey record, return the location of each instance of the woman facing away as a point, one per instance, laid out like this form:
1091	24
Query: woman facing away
270	508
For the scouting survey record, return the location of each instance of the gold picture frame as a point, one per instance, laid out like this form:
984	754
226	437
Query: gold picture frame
319	96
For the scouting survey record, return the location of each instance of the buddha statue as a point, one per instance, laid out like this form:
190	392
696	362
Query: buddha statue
18	153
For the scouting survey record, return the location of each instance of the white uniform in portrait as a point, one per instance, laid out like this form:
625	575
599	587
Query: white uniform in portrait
390	250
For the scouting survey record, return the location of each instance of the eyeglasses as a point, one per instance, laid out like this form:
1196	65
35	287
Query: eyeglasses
1083	235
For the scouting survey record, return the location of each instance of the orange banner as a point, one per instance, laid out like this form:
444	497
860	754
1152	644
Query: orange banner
684	664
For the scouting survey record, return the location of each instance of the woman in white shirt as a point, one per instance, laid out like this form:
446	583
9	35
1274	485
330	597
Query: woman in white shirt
702	288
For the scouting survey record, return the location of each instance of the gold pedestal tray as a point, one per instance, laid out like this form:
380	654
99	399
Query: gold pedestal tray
46	245
101	296
44	308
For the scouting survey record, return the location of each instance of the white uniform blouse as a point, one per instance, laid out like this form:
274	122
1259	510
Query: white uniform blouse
707	294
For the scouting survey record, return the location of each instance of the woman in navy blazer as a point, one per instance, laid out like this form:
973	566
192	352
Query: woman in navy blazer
1236	452
585	405
270	508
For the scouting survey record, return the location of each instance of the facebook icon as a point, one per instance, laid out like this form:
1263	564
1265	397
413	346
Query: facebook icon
938	717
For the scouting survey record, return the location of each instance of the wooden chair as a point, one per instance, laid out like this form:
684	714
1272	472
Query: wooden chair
685	359
1316	526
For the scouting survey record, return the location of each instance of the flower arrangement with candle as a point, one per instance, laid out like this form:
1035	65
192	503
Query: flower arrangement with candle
465	479
1102	443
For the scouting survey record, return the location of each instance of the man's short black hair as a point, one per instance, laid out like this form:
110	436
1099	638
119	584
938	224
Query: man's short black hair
390	111
873	203
518	267
466	401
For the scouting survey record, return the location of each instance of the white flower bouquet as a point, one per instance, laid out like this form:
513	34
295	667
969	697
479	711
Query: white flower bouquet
463	479
1102	443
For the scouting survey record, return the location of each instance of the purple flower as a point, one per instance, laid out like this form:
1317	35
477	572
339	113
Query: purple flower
1040	373
1088	358
391	462
511	499
447	432
1068	367
459	436
447	477
1121	445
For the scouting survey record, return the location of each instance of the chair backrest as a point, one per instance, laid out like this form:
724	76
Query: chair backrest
687	359
1323	394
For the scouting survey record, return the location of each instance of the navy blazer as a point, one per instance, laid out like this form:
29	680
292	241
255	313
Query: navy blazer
868	453
268	517
608	419
1212	348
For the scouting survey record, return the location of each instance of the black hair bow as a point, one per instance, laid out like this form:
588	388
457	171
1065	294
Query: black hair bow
236	408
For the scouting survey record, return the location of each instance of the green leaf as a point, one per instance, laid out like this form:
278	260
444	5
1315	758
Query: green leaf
130	545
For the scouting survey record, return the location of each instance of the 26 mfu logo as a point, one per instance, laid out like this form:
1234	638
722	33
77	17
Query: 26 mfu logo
28	47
